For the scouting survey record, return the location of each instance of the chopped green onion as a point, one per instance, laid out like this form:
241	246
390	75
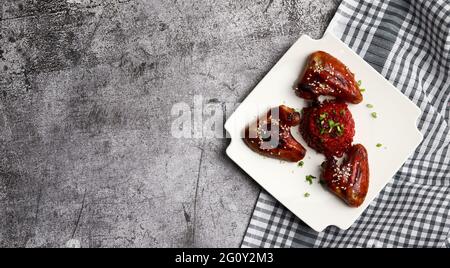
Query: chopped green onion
340	129
336	125
300	164
374	115
309	178
323	116
379	145
369	105
331	123
362	89
306	195
359	82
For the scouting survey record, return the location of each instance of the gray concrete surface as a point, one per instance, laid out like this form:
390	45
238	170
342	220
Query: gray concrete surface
86	90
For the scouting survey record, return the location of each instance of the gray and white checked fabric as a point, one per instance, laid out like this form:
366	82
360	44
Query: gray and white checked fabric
408	42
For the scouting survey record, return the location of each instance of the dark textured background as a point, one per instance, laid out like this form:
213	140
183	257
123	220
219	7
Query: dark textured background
86	90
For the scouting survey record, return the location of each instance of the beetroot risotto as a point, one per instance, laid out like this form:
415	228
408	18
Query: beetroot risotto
328	128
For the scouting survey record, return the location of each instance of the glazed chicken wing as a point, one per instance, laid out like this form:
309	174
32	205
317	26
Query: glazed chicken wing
325	75
349	181
271	136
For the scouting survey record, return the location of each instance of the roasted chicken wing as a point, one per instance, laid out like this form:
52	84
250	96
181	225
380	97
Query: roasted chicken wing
325	75
349	181
271	135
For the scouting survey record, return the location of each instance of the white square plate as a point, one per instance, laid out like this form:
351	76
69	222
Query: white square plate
394	128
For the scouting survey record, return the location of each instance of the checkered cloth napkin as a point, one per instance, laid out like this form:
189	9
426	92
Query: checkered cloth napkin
408	42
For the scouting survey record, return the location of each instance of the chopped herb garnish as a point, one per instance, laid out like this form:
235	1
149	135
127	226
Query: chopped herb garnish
359	82
369	105
379	145
323	116
333	125
300	164
306	195
374	115
362	89
340	129
309	178
322	131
